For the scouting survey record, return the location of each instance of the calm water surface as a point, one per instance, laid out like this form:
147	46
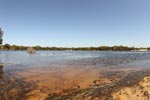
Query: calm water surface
93	58
55	61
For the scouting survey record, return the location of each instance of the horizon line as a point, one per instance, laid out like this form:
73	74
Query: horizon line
79	46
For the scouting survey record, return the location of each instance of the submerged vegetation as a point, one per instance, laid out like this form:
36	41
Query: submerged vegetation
101	48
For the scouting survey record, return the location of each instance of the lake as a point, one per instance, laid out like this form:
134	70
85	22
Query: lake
45	58
54	71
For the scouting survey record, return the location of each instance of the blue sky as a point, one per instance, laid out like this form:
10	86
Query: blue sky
76	23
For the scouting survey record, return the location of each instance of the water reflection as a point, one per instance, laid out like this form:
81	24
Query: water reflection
1	68
1	71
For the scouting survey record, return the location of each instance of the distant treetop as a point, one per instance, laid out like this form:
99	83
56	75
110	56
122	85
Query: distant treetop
1	35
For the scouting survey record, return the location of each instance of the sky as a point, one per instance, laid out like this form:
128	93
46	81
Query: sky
76	23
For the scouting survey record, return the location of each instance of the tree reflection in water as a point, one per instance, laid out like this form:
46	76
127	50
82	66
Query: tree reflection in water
1	67
1	72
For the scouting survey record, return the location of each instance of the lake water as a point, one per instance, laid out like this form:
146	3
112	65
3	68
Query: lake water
54	71
14	61
45	58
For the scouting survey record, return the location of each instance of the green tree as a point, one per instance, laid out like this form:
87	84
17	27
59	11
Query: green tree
37	47
14	47
7	46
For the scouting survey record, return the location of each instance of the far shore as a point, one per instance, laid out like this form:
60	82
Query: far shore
99	48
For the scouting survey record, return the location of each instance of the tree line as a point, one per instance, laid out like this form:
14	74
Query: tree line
100	48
